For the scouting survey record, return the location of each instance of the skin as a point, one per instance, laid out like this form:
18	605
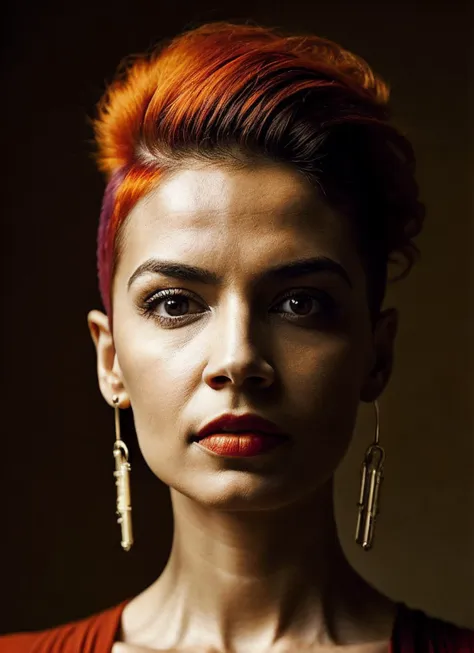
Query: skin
256	564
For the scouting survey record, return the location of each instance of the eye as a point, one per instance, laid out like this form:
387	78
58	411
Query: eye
170	306
173	306
304	304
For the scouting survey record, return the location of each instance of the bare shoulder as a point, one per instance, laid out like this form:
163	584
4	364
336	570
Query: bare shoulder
135	616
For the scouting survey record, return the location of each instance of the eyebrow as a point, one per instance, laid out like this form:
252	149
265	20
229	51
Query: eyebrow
184	272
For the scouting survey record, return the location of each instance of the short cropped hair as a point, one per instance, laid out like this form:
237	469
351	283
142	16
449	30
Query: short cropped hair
236	93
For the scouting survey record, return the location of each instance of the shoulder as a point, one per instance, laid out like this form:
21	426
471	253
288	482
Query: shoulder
418	630
94	634
455	639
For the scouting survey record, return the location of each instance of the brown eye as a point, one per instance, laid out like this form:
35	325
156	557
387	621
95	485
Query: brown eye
302	305
171	306
175	307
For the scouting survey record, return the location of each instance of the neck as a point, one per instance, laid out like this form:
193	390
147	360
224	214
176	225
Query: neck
257	578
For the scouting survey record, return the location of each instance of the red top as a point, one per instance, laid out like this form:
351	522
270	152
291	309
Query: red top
414	632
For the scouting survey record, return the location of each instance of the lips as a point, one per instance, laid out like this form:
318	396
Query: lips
234	424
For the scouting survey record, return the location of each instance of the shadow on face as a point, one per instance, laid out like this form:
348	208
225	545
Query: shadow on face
240	290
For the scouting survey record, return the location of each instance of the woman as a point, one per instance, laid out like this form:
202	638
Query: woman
256	194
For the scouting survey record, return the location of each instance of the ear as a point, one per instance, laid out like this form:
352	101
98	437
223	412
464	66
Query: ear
384	335
108	368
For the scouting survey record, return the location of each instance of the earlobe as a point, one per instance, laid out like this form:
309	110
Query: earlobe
108	370
383	349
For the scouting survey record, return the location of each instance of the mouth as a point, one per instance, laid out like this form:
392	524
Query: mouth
241	445
237	434
239	425
243	435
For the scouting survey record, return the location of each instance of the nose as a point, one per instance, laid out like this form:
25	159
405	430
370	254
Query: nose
235	359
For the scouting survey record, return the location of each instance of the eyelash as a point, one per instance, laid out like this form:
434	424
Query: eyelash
149	305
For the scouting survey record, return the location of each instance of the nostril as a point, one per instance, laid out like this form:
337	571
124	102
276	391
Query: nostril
219	380
258	380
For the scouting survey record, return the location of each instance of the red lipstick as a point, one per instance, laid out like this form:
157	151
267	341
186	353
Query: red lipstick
240	435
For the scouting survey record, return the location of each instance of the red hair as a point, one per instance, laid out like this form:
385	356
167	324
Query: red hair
226	91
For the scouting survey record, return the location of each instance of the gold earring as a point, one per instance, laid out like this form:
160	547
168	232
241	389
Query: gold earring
122	476
372	475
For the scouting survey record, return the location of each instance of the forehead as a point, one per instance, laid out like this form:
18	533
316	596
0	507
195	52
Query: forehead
221	216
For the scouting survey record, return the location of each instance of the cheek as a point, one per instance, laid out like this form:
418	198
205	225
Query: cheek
159	387
321	398
159	382
322	395
320	384
327	374
317	401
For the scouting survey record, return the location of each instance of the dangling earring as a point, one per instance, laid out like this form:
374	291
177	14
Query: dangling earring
372	475
122	475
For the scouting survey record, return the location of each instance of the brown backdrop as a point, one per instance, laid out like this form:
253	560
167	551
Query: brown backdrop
60	556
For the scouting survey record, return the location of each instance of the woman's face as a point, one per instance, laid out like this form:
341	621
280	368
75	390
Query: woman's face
233	339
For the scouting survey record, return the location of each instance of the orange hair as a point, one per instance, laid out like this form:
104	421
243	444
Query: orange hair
224	91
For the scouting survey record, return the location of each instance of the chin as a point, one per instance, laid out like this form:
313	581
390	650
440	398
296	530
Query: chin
239	491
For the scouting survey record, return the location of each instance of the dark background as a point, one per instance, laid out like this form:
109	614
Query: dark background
60	554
